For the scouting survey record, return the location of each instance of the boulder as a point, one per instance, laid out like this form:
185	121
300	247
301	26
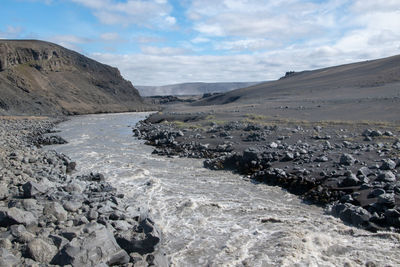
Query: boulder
386	199
3	192
346	159
72	205
322	159
41	251
392	217
388	164
141	243
288	156
350	180
8	259
352	214
32	189
98	246
21	234
55	209
365	171
386	176
16	216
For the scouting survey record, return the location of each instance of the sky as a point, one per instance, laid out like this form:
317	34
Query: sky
159	42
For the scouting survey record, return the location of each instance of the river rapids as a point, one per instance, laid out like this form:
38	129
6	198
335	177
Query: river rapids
217	218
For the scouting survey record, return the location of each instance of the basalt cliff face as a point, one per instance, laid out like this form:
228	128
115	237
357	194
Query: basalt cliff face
38	77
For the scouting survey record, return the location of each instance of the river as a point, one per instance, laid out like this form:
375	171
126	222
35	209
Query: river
216	218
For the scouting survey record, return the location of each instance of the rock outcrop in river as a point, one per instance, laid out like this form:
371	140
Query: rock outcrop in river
38	77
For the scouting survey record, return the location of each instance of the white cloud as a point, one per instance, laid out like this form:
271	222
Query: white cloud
268	38
153	50
259	19
200	39
11	32
145	39
70	41
153	14
110	37
246	44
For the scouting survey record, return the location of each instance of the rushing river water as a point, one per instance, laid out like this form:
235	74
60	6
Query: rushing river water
216	218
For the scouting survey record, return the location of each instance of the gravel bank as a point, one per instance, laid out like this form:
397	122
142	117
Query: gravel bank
49	217
352	169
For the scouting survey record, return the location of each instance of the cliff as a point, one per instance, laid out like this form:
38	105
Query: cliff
38	77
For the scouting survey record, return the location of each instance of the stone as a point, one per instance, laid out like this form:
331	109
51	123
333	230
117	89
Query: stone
7	259
55	209
388	164
92	214
322	159
41	251
16	216
346	159
364	171
21	234
352	214
375	133
131	242
121	225
32	189
386	199
5	243
388	133
273	145
72	205
3	192
392	217
75	186
98	246
350	180
59	241
71	232
386	176
32	205
71	165
376	192
288	156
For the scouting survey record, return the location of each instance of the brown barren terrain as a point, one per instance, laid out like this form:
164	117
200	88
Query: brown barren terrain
38	77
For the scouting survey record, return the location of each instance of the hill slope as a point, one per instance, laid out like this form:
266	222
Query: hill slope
364	91
38	77
349	81
197	88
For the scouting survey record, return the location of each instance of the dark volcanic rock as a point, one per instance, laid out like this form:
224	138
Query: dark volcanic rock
388	164
98	246
346	159
141	244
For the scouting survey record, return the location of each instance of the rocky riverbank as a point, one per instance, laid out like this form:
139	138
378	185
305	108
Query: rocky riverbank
51	217
351	168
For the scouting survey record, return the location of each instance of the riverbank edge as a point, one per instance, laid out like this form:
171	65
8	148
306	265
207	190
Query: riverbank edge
50	216
164	131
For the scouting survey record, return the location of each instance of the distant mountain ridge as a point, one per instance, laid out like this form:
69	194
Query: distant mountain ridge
38	77
196	88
